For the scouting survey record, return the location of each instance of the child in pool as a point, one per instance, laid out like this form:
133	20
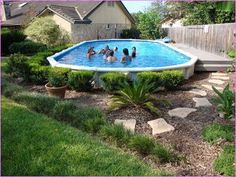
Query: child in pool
133	52
90	52
125	58
111	58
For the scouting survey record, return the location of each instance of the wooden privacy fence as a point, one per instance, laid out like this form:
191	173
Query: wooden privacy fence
215	38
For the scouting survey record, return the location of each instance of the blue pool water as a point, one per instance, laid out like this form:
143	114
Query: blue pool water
149	54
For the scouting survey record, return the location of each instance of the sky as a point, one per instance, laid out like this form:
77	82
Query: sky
135	6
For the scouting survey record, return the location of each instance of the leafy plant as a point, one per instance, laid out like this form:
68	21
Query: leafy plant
214	132
39	74
58	77
17	66
172	79
10	89
80	80
136	94
113	81
132	33
64	110
93	125
224	101
224	164
142	143
151	77
163	154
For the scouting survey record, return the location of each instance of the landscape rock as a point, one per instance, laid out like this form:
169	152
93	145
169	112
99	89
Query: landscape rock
128	124
198	92
181	112
160	126
202	102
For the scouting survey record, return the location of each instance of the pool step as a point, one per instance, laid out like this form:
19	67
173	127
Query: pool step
211	67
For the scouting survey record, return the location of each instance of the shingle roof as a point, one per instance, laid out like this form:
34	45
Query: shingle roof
75	12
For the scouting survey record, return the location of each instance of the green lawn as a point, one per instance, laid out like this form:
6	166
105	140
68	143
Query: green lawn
33	144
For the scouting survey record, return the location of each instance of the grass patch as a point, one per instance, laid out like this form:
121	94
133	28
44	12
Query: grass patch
214	132
33	144
224	164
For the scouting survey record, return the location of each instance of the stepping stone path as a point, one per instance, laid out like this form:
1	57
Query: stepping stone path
219	74
198	92
202	102
128	124
160	126
216	81
209	87
181	112
220	77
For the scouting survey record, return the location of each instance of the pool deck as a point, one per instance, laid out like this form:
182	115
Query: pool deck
206	61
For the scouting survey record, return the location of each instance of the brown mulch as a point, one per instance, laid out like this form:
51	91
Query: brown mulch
185	140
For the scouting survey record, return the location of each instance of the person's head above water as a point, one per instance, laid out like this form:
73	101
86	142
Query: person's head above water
134	48
107	47
126	51
111	53
115	49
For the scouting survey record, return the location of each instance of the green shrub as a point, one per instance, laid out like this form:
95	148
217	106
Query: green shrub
93	125
172	79
142	143
40	58
116	133
224	101
214	132
151	78
8	37
58	76
132	33
113	81
80	80
38	102
224	164
59	48
163	154
231	53
10	89
18	66
39	74
46	31
64	110
27	47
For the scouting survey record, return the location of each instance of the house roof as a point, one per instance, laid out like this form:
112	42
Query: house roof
74	12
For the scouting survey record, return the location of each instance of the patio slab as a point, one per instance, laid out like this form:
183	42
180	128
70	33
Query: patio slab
198	92
128	124
181	112
160	126
219	74
216	81
202	102
225	78
209	87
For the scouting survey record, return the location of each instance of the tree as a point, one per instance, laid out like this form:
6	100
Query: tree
46	31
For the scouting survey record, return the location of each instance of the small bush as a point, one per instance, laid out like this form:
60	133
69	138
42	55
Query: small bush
151	78
59	48
132	33
80	80
116	133
18	66
113	81
224	164
142	143
231	53
39	74
58	77
40	58
93	125
172	79
8	37
163	154
38	102
64	110
10	89
214	132
27	47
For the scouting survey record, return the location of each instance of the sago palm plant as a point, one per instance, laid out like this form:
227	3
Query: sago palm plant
224	101
137	94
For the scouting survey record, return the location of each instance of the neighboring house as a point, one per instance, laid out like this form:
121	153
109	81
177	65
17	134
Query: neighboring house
82	20
168	23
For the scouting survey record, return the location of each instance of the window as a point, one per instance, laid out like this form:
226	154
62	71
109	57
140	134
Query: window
110	3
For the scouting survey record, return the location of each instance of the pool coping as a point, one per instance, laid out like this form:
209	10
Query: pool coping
190	63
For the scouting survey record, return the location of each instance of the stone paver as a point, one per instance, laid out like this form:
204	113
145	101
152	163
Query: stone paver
209	87
202	102
128	124
198	92
181	112
216	81
225	78
219	74
160	126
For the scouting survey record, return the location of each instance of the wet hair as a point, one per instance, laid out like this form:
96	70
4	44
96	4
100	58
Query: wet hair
107	47
111	53
126	51
116	48
134	48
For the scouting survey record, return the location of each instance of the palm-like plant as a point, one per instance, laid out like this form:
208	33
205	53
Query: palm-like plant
136	94
225	101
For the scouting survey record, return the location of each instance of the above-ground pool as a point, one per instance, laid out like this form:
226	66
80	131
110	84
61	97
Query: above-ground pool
151	56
